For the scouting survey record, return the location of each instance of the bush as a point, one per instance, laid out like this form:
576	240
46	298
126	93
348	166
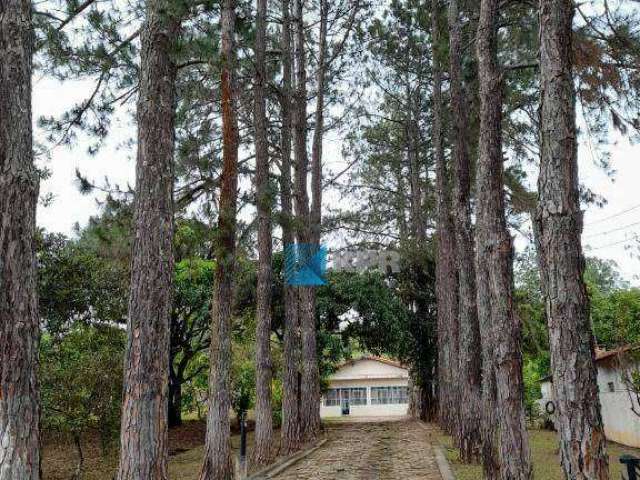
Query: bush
276	402
81	382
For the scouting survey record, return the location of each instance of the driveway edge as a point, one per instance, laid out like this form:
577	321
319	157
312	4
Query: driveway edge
443	464
281	465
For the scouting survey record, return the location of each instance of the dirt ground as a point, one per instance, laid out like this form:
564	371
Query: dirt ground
360	451
59	457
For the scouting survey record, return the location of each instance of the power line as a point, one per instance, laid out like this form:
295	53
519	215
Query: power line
614	243
615	215
591	235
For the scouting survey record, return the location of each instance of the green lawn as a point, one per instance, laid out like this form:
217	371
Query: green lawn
546	463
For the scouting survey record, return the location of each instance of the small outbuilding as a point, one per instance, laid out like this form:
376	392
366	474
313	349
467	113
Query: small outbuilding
367	387
618	398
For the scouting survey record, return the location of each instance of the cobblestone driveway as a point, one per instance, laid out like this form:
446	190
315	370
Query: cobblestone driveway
370	451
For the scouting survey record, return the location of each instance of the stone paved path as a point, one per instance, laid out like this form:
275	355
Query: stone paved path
399	450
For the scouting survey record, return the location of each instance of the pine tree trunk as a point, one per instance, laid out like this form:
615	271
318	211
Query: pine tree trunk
399	204
492	229
446	276
415	397
318	133
143	433
469	346
418	230
291	429
217	462
453	362
264	419
175	399
311	378
559	223
77	474
489	416
19	185
421	401
310	382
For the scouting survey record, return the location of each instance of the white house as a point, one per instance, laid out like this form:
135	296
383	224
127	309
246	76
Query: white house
367	387
621	423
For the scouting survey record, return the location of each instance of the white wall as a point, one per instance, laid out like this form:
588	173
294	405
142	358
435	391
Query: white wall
621	424
365	381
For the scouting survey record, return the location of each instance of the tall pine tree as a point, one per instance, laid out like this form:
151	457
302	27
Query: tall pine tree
559	223
469	364
19	183
217	462
144	448
495	244
264	422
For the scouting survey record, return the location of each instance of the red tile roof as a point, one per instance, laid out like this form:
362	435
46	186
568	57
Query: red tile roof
604	355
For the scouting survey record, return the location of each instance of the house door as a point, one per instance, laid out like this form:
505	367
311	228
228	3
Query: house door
344	401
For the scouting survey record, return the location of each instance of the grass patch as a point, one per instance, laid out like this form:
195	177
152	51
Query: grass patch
546	460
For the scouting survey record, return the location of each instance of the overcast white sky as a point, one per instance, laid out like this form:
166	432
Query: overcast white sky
609	231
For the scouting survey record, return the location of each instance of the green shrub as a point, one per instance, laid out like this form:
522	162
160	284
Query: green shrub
81	381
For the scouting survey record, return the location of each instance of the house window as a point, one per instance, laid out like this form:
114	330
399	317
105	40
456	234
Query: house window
355	396
332	398
380	395
611	386
389	395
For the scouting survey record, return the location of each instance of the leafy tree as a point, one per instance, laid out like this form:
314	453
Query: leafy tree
531	376
196	386
368	308
243	386
602	276
615	317
77	284
193	285
108	234
81	383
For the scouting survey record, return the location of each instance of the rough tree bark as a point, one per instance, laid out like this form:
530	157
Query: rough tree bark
291	430
262	453
143	431
19	185
488	418
489	415
318	132
446	275
469	379
415	397
492	228
310	399
217	462
421	397
418	230
559	223
310	382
